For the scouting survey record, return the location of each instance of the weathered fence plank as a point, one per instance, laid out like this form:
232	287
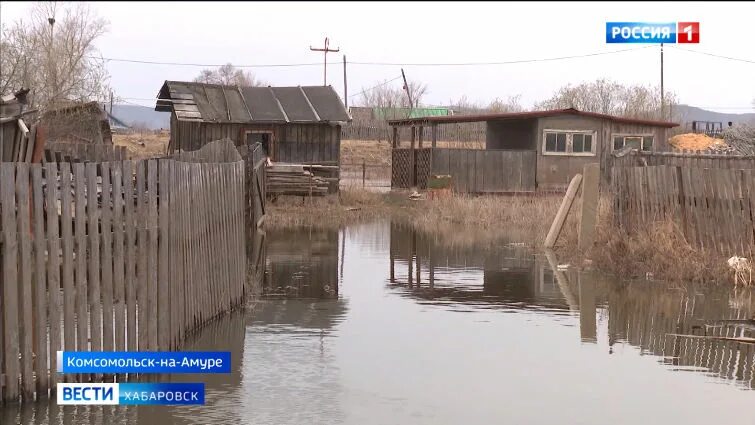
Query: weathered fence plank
131	282
25	281
52	197
152	291
10	280
40	281
93	233
119	272
106	247
142	332
163	258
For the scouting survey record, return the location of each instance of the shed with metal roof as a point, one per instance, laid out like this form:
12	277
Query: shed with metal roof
299	124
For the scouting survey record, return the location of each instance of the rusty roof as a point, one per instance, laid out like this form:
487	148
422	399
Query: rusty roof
453	119
192	101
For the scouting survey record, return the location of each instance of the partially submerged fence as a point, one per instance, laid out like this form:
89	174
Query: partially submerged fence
114	256
471	170
712	206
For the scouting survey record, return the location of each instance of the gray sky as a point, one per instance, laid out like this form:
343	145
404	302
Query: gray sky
279	33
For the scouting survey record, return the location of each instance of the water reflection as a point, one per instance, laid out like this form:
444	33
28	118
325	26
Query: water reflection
648	315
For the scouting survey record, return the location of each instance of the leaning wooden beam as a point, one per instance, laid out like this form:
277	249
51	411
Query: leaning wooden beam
563	212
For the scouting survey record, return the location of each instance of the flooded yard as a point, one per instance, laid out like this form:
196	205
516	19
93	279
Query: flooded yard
379	324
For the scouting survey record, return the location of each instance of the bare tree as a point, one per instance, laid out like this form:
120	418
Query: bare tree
53	54
609	97
384	96
229	75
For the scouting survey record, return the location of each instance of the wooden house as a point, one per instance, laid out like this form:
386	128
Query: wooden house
293	124
524	151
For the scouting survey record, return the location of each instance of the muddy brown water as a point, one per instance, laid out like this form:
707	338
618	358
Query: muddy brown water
454	333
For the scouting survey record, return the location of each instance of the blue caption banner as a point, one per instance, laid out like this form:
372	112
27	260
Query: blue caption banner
144	362
130	394
640	32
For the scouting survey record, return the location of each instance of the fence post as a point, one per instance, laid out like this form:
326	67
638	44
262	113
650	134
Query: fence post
363	172
682	201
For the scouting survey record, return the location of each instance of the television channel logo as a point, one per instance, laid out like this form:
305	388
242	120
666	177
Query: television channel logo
653	33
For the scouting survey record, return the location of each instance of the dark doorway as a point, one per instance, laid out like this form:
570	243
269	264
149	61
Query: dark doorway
265	139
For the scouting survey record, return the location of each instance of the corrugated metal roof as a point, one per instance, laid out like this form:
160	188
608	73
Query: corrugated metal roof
524	115
218	103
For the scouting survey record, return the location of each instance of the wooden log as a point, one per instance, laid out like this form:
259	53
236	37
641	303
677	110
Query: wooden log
563	211
10	246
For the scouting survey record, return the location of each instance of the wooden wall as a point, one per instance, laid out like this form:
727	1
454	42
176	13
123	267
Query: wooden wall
296	143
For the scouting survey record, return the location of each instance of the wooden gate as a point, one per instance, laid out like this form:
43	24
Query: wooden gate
410	167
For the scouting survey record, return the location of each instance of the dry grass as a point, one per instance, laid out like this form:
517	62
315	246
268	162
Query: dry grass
660	250
465	219
143	145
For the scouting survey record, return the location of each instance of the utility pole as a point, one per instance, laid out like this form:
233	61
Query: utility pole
111	102
326	50
53	74
663	114
345	88
406	87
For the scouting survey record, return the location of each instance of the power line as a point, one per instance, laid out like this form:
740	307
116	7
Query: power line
148	62
374	87
500	63
713	54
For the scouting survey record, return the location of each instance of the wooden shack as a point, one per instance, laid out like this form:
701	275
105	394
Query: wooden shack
523	151
294	124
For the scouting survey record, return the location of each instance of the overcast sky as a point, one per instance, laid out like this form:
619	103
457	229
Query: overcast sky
444	32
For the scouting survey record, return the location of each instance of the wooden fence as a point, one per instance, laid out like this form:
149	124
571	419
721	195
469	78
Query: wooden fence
471	170
712	206
380	130
682	159
114	256
81	152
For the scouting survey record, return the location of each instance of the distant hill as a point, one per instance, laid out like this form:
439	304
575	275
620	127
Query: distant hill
686	114
135	115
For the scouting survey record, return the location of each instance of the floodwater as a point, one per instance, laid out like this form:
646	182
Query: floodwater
378	324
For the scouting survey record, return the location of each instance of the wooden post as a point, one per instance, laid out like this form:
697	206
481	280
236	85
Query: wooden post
587	308
395	136
563	211
589	210
682	201
421	131
413	158
434	132
363	171
11	344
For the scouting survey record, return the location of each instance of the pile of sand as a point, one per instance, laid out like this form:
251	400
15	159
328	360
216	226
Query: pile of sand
695	142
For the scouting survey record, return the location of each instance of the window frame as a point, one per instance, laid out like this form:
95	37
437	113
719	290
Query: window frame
642	136
569	142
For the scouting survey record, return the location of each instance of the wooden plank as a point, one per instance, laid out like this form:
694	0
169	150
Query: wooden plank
152	291
163	297
106	226
40	282
10	246
589	208
119	272
82	313
93	233
563	211
130	252
142	250
25	280
52	197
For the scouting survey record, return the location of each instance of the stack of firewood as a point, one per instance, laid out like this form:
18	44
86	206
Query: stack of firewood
295	179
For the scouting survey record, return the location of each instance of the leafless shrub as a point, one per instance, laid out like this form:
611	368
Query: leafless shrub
609	97
383	95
